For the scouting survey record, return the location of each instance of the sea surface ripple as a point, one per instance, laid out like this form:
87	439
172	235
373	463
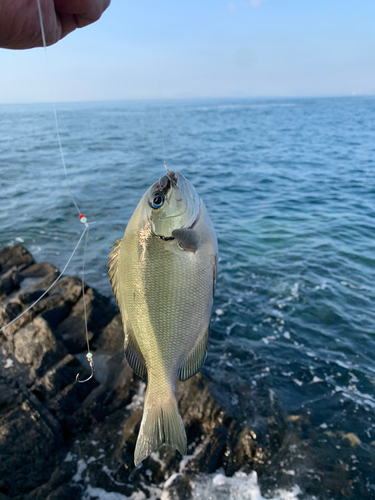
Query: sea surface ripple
290	187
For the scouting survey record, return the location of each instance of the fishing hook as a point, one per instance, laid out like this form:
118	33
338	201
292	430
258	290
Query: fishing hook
91	362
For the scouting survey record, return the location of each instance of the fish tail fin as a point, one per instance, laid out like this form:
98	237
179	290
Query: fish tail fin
161	424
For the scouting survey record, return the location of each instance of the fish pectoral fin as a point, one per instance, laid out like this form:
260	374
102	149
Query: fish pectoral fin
188	239
133	354
113	264
196	357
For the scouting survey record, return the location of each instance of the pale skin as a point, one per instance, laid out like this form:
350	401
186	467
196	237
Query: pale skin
20	25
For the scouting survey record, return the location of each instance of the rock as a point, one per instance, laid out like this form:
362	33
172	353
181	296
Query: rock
112	336
9	281
62	440
39	270
8	312
28	438
14	256
99	313
76	436
36	345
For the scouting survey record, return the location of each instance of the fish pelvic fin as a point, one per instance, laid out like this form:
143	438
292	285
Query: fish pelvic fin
161	424
133	353
197	356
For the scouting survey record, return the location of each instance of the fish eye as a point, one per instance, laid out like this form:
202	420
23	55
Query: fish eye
157	200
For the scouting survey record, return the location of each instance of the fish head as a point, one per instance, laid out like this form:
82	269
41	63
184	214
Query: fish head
172	203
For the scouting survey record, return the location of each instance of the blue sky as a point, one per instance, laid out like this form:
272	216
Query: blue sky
206	48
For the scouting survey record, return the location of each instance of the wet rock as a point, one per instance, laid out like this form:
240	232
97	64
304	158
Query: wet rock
99	313
179	487
60	439
9	281
14	256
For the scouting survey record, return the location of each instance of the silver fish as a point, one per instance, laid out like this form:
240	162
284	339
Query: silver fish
163	274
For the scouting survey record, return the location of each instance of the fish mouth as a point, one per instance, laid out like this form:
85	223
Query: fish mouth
165	183
170	180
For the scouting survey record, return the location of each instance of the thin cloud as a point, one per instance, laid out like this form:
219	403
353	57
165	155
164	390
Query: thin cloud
232	7
255	3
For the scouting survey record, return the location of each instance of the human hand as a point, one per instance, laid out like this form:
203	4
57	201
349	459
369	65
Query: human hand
20	25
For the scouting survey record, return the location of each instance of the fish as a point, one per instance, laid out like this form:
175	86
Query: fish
163	275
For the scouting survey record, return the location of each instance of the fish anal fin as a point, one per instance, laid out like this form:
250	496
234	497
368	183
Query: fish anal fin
113	265
133	354
188	239
196	357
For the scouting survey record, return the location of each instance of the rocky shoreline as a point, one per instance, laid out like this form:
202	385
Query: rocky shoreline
63	440
58	437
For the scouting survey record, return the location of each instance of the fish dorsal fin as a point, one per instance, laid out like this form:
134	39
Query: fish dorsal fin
188	239
196	357
113	265
132	352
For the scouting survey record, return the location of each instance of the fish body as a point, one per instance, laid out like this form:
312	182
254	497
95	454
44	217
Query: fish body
163	274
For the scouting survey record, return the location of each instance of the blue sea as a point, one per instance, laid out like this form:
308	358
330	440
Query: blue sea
290	187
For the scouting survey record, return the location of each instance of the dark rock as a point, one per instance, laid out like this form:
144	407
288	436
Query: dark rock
8	312
179	487
28	438
36	345
99	313
65	492
112	337
57	378
62	440
9	281
14	256
33	273
39	270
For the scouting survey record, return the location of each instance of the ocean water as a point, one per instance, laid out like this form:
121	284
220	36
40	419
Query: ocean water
290	187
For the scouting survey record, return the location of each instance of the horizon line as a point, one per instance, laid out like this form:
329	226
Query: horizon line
156	99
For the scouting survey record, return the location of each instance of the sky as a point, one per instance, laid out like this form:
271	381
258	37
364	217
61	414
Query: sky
203	48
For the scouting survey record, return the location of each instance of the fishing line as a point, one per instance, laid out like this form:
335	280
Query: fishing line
88	355
54	107
159	85
82	218
53	284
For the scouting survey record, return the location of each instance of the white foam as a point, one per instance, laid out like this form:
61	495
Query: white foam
20	240
138	398
8	363
170	480
241	486
69	457
100	494
81	467
216	486
294	290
